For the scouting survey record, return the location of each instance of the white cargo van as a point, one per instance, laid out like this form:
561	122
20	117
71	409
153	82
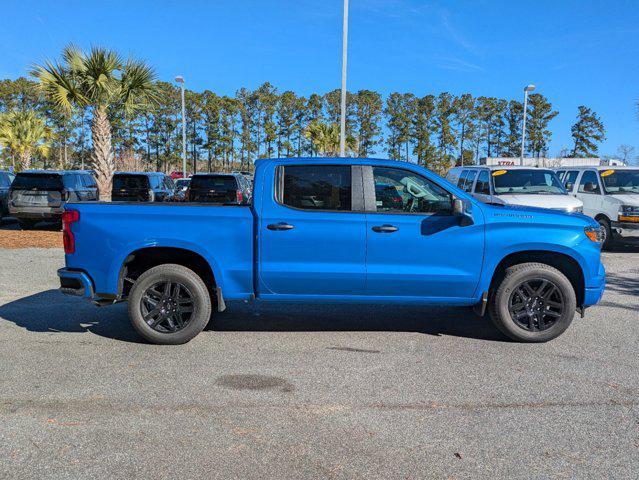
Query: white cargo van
529	186
610	195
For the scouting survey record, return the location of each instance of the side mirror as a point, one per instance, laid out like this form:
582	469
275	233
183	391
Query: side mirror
462	209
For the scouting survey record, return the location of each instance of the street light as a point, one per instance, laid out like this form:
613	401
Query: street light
528	88
180	79
342	126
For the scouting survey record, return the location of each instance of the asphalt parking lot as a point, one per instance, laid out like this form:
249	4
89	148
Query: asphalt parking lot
313	392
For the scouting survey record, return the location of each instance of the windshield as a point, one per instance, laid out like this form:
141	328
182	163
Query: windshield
620	181
531	181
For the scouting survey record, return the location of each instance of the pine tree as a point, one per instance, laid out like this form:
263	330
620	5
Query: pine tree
538	135
464	114
422	128
446	136
400	110
368	111
587	132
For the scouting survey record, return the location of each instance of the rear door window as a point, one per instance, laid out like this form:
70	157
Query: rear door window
317	187
462	179
470	178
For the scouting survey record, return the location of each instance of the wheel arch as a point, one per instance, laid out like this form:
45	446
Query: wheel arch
566	264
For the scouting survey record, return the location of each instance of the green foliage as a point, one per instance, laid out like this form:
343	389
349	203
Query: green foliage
586	132
538	135
24	134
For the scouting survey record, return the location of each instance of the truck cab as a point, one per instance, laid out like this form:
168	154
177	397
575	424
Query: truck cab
610	195
335	230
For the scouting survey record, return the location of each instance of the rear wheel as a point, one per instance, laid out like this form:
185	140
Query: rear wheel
169	304
533	303
26	224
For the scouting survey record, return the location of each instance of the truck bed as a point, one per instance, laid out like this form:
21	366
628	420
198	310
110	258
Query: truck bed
108	233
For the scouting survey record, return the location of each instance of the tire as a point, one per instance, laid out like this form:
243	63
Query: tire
151	286
548	320
609	239
26	224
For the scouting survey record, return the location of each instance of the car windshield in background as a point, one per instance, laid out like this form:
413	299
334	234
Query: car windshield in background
182	182
130	182
37	181
526	182
210	182
620	181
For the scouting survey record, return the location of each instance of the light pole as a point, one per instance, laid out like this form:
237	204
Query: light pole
342	126
528	88
180	79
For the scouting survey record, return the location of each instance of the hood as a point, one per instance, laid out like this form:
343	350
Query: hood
498	213
626	198
555	202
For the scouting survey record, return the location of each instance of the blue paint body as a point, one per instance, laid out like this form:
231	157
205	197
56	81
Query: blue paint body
333	256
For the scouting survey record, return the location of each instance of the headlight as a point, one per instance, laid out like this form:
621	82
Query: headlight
594	233
629	209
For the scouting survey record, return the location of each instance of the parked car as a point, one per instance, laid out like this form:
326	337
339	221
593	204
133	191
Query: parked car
531	187
530	268
5	183
175	175
181	186
40	195
142	187
610	195
226	188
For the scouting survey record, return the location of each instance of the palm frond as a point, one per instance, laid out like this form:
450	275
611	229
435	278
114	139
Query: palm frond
138	86
59	86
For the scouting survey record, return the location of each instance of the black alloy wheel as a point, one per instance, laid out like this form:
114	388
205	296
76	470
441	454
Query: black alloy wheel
536	304
167	306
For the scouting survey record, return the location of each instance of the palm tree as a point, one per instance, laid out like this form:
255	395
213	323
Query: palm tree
325	138
24	134
101	80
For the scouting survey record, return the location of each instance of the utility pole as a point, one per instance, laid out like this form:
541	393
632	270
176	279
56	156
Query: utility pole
342	127
180	79
527	89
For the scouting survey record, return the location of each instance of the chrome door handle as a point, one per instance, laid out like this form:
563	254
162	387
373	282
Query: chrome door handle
280	226
385	228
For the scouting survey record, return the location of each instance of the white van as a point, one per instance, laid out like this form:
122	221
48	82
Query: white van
529	186
610	195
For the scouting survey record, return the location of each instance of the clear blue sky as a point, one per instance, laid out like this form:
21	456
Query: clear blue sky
575	51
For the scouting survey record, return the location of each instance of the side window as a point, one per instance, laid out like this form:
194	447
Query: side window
483	183
589	182
560	174
470	179
317	187
569	179
402	191
4	180
462	179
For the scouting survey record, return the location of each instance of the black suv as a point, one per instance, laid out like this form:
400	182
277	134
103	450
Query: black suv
39	195
5	182
142	187
226	188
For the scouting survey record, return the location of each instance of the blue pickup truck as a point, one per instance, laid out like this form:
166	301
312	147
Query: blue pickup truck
335	230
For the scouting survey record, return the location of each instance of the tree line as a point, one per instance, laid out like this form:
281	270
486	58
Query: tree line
230	132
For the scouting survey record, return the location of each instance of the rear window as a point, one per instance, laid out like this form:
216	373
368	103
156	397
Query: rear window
130	182
213	182
39	181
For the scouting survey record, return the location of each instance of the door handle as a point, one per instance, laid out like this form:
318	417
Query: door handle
280	226
385	228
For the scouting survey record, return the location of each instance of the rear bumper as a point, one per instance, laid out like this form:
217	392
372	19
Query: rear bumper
76	283
36	212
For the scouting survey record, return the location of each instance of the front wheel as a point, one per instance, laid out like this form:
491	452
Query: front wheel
606	233
169	304
533	303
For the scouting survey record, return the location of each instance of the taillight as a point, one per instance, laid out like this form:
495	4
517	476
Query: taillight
69	217
239	196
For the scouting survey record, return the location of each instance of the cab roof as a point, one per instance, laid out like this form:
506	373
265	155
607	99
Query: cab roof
600	167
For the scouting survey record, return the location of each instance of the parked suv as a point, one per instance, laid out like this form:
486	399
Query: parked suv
142	187
40	195
226	188
610	195
5	183
528	186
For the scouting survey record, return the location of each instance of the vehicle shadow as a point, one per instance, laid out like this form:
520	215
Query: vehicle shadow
50	312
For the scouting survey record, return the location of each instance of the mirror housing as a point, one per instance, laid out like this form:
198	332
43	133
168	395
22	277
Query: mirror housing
463	210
